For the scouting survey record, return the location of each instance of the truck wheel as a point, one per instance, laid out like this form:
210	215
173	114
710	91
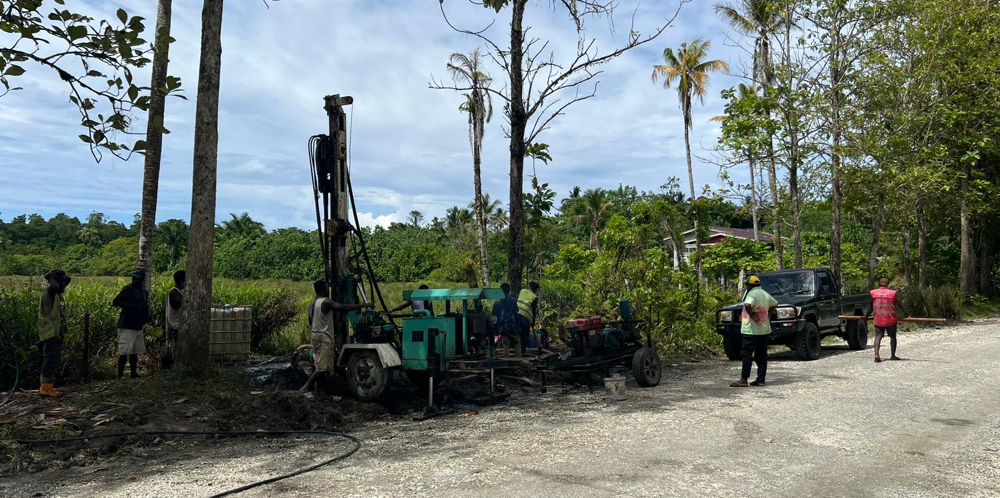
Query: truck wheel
733	345
366	376
807	344
646	367
857	335
419	378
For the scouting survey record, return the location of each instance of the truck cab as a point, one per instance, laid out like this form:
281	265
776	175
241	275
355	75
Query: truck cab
810	303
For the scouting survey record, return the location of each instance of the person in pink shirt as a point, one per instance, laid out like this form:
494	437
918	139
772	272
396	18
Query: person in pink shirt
884	307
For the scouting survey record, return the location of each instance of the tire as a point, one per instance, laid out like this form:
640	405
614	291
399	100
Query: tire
808	342
857	335
366	376
419	379
646	367
733	344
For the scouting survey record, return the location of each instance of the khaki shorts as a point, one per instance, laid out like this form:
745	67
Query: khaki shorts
131	342
324	355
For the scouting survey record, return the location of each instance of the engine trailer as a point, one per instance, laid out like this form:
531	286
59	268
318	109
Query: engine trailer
596	347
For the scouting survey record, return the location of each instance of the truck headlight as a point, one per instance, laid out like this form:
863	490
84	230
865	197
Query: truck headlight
725	316
786	313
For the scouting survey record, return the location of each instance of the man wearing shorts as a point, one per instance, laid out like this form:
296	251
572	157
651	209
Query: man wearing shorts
884	307
134	302
321	320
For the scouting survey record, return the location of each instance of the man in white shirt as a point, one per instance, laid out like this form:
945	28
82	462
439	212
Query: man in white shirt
323	345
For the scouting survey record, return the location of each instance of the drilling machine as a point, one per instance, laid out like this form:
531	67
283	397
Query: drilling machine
370	344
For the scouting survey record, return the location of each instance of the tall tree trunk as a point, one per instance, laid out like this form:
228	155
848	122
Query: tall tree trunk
772	177
193	339
753	201
907	263
985	263
793	190
518	125
694	203
154	139
876	235
967	280
838	193
921	247
477	148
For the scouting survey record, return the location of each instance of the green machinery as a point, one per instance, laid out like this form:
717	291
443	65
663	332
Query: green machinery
372	345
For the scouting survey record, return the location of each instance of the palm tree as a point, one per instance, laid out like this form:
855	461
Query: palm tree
762	19
88	235
596	203
241	227
457	218
468	70
415	218
690	69
172	235
154	139
492	212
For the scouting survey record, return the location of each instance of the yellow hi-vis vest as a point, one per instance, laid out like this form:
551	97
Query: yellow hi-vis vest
524	300
54	323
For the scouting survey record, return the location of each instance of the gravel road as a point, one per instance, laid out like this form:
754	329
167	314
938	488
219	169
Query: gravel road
928	426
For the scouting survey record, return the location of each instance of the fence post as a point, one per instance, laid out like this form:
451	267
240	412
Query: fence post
86	348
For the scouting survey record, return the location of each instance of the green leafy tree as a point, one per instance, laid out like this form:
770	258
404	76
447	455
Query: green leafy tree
240	227
93	57
532	89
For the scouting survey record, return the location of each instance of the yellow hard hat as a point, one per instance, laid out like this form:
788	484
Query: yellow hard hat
753	280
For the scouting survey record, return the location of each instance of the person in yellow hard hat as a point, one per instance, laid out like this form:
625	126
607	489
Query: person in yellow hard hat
756	330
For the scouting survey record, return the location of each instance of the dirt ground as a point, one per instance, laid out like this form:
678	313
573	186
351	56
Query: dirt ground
838	426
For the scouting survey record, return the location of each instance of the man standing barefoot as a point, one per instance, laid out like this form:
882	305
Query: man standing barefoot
884	306
321	319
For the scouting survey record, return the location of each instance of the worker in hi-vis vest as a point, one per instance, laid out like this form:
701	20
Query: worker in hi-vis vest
884	306
527	312
52	329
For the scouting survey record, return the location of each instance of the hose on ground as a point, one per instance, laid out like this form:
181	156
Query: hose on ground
342	456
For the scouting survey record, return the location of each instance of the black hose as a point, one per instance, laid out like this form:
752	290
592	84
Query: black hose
355	440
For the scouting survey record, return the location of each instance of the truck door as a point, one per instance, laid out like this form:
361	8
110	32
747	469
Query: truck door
829	301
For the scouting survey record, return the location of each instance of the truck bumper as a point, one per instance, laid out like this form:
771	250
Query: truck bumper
778	328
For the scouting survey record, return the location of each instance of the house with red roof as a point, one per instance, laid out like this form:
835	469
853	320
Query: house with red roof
715	236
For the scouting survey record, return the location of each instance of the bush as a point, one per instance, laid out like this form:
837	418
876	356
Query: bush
274	308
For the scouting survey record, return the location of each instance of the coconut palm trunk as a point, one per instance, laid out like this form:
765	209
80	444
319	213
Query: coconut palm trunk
694	202
154	139
193	338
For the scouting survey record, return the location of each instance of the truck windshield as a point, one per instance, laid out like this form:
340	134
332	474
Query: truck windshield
789	284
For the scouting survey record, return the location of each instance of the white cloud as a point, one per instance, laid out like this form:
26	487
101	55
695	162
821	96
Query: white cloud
410	145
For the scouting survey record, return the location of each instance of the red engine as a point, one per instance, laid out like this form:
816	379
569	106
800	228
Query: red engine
589	323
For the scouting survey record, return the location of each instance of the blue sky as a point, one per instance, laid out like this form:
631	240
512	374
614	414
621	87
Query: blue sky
410	147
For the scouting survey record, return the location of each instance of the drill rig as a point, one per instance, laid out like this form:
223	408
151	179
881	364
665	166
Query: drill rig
370	344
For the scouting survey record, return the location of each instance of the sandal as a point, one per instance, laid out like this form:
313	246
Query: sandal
739	384
758	383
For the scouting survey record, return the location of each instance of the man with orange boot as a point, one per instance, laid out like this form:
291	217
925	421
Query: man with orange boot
52	329
884	306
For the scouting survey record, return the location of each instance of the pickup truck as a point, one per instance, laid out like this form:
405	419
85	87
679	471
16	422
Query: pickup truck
809	306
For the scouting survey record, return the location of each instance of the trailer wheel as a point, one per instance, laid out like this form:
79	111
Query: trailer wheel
646	367
857	335
732	344
366	376
808	342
